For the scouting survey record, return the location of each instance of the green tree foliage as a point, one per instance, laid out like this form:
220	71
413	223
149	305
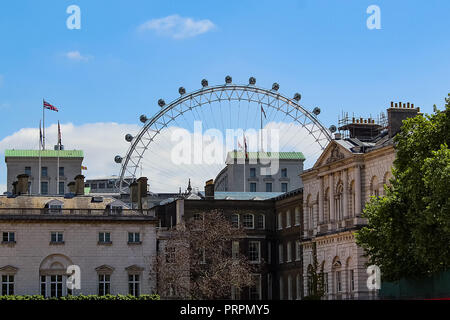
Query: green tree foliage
408	231
316	288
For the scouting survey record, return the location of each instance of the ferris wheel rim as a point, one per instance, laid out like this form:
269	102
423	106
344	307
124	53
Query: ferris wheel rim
202	92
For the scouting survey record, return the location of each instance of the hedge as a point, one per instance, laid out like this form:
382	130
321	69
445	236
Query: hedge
91	297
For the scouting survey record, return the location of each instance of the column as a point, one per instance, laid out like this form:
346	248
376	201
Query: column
358	190
331	185
321	200
345	195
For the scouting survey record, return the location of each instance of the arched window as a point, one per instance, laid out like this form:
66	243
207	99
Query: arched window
374	191
289	287
235	220
289	252
297	216
280	221
352	199
326	206
309	281
288	218
281	288
350	276
387	180
325	278
309	207
298	286
339	202
337	275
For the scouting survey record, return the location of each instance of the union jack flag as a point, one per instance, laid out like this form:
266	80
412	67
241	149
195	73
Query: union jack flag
49	106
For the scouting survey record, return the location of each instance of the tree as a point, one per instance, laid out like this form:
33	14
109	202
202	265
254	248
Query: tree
316	285
408	231
197	261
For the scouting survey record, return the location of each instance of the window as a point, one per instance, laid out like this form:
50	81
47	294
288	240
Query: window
298	287
289	287
104	237
61	171
269	252
43	286
56	286
44	171
7	285
104	284
57	237
280	253
254	251
252	172
325	282
235	249
268	187
255	290
134	237
339	202
298	252
235	293
338	281
101	185
252	187
44	187
9	237
28	171
280	221
281	289
284	187
247	221
133	284
269	286
352	280
288	219
61	187
284	173
289	252
260	221
310	217
54	208
116	209
297	216
235	220
93	186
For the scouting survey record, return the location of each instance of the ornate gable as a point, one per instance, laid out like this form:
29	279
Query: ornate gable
332	153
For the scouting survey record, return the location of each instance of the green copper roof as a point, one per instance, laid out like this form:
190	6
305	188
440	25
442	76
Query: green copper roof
265	155
44	153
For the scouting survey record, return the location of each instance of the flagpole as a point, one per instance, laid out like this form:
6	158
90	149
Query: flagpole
57	162
43	125
40	143
260	111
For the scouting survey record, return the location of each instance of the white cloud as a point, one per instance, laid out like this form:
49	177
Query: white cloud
178	27
77	56
102	141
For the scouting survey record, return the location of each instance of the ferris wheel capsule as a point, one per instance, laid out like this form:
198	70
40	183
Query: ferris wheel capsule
252	81
181	90
316	111
118	159
275	86
128	137
143	118
161	103
204	83
228	79
297	96
333	128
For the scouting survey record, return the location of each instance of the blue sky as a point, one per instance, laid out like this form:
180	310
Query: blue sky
321	49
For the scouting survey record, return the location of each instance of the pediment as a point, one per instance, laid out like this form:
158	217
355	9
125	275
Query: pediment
332	153
104	269
9	269
134	268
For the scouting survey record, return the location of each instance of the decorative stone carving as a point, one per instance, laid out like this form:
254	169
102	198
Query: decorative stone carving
335	155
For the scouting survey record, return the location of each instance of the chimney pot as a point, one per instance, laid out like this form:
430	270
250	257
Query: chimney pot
79	185
71	186
22	184
392	104
209	190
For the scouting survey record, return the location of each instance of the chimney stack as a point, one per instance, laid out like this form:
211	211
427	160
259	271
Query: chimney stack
22	184
398	114
79	185
14	189
142	191
209	190
134	192
71	186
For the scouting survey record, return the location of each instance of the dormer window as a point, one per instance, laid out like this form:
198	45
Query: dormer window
54	206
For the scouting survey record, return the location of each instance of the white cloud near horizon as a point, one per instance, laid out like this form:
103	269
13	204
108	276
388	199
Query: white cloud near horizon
177	27
102	141
77	56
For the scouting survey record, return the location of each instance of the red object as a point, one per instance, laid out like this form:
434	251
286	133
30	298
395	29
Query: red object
49	106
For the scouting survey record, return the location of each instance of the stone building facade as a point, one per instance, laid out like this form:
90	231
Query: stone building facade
43	235
27	162
343	179
251	176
